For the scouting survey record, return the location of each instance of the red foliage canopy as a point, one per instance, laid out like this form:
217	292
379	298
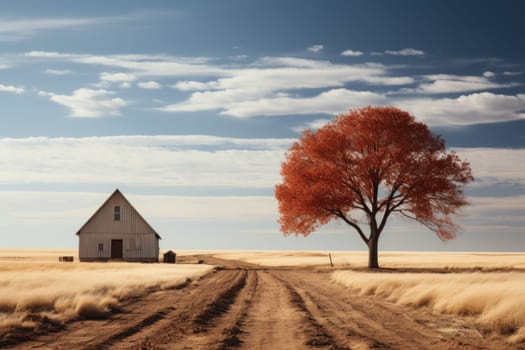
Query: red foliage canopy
377	161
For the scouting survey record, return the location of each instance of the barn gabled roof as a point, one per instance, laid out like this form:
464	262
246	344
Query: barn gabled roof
117	191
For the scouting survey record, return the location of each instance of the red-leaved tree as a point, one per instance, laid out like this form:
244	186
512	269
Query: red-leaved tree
363	167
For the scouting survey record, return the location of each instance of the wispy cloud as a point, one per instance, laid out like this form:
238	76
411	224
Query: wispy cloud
117	77
11	88
352	53
58	71
449	83
191	86
89	103
316	48
149	85
263	90
271	86
484	107
150	160
491	165
312	125
405	52
329	102
189	160
141	65
23	28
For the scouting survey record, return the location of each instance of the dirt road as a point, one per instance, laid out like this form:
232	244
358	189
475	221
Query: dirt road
240	306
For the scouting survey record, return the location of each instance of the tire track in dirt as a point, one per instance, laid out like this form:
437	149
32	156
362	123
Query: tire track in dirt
271	322
317	335
215	326
244	306
138	316
364	322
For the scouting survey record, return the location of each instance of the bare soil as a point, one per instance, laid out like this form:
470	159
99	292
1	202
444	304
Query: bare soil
244	306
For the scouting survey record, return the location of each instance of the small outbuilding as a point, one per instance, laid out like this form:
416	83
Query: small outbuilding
170	257
117	231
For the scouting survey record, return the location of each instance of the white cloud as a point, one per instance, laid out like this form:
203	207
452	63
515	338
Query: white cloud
489	74
448	83
149	85
15	29
329	102
58	71
493	164
11	88
191	86
265	75
352	53
46	54
282	73
316	48
239	57
89	103
141	65
295	72
484	107
267	85
76	207
19	29
117	77
190	161
512	73
405	52
312	125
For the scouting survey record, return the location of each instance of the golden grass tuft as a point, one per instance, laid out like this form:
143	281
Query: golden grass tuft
495	299
35	289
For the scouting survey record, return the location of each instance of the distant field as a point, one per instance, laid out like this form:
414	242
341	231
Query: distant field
35	287
351	259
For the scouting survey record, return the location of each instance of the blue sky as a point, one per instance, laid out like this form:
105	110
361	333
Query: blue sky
189	106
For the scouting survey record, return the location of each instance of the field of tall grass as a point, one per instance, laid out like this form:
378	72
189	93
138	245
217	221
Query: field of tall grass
357	259
495	299
35	287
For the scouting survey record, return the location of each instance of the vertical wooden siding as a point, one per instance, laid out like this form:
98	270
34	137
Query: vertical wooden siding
135	246
130	220
140	242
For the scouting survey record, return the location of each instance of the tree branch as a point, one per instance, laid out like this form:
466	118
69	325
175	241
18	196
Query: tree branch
422	222
360	196
340	214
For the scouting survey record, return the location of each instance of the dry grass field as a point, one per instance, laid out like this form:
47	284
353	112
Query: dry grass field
495	299
36	288
358	259
296	301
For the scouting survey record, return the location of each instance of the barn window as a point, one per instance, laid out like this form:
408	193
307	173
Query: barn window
117	213
101	247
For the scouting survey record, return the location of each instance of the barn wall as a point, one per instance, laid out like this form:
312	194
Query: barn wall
130	220
136	246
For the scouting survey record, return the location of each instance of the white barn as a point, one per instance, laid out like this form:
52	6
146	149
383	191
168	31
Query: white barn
116	231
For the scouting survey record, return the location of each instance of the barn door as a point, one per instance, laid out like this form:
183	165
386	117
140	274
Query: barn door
116	249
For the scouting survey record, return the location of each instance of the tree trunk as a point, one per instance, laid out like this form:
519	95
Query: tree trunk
373	262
